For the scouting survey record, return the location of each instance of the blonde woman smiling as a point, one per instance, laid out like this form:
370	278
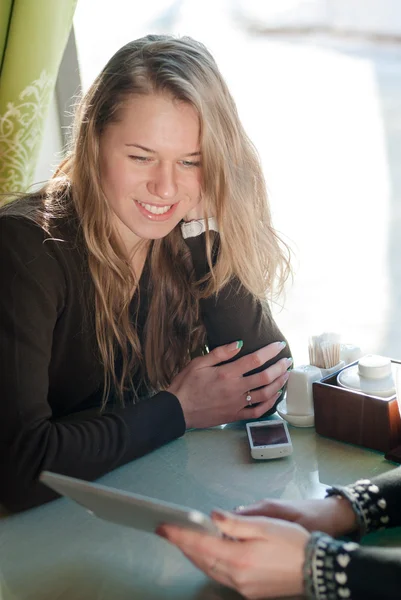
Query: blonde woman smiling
153	240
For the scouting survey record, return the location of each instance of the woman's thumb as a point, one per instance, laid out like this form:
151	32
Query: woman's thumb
238	527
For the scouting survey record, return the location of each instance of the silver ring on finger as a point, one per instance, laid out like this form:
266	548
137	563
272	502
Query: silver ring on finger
249	399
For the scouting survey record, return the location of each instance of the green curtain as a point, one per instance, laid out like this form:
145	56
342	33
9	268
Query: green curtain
33	36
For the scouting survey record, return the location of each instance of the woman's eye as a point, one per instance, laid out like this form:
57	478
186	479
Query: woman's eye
140	159
190	163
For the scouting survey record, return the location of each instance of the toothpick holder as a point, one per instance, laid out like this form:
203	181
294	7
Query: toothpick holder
326	372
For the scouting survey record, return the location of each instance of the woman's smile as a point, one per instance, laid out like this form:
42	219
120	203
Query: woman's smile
156	212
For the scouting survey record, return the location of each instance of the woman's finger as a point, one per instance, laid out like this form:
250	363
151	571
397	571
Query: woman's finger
278	509
219	355
253	361
195	541
244	364
207	549
270	375
212	555
259	409
238	527
267	508
268	393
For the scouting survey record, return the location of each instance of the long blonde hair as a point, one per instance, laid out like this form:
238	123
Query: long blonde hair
233	189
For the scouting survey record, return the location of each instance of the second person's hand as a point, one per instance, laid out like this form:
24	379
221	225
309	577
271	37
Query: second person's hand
212	393
260	558
333	515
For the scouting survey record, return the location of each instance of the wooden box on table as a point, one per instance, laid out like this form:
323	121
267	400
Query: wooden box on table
357	418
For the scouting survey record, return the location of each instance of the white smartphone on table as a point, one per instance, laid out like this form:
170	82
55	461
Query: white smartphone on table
269	439
127	508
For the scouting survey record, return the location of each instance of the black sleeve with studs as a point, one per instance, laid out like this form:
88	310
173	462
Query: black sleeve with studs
326	567
376	502
335	569
368	503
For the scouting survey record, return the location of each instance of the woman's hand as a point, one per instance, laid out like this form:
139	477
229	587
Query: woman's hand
333	515
264	561
211	394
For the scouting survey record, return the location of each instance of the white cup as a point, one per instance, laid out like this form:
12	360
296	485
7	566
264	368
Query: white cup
299	390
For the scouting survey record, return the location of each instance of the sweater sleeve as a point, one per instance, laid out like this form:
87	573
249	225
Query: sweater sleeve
376	502
234	313
336	570
31	439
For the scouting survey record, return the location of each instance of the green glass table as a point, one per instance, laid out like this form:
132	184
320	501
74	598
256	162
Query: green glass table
61	552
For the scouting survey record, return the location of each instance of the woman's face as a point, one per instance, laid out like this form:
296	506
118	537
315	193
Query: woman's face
150	166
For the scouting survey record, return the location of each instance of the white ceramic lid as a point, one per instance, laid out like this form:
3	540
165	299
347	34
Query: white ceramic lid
373	375
374	366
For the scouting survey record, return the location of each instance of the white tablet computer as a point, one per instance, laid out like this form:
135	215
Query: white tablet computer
126	508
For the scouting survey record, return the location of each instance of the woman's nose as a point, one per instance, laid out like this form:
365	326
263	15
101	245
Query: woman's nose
163	182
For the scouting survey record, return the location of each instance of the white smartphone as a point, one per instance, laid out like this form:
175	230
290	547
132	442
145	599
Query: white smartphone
126	508
269	439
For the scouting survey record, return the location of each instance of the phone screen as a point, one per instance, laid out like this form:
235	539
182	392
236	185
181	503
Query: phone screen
269	435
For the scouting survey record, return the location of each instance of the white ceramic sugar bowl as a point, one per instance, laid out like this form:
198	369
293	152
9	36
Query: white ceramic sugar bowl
374	375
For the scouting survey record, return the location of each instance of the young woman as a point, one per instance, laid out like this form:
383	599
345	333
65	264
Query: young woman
153	239
288	548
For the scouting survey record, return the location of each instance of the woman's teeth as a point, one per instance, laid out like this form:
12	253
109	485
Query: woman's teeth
156	210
